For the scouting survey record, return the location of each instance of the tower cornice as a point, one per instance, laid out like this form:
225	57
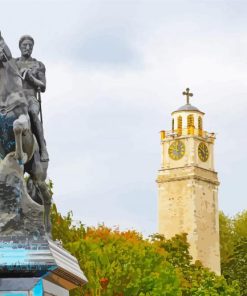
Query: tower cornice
186	173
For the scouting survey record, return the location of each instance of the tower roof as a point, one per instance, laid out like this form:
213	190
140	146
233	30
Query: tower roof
188	107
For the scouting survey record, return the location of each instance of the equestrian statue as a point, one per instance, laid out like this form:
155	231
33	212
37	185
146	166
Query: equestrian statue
22	144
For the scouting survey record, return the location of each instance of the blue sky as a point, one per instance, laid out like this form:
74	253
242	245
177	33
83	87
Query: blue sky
115	72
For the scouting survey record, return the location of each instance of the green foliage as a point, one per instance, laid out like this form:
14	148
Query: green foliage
193	278
233	239
236	267
130	265
240	225
226	237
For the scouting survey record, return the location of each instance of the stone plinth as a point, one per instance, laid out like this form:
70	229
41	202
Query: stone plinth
38	265
30	286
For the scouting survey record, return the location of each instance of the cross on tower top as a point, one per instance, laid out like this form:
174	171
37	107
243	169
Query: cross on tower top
188	95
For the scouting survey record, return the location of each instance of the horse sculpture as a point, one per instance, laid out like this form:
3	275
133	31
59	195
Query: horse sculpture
16	132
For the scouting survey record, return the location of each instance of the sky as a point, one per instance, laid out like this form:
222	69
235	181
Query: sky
115	72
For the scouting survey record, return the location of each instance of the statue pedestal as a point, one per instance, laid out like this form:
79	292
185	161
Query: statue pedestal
31	264
30	286
37	267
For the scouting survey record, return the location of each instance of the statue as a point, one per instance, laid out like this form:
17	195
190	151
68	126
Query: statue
34	81
21	133
29	257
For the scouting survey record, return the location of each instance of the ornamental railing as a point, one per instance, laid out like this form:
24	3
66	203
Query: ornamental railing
185	132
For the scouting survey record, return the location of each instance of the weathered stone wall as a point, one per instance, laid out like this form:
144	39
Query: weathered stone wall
188	204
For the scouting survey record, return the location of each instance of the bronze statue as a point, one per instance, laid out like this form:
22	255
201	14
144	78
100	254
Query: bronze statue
29	257
34	81
21	133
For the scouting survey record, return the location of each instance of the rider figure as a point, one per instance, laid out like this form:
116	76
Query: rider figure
33	74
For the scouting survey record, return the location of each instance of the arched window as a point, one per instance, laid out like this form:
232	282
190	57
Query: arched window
180	125
200	126
190	124
173	125
190	120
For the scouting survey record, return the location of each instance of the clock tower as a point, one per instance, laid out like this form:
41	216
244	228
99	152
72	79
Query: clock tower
188	185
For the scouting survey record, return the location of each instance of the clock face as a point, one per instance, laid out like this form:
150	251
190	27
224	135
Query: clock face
203	152
176	150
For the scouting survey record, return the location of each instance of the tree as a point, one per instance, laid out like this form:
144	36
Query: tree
233	240
123	263
226	237
194	278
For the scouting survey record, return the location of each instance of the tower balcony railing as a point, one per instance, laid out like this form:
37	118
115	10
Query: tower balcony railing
191	131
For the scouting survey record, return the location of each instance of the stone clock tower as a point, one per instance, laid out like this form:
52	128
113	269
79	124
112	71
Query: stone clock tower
188	185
